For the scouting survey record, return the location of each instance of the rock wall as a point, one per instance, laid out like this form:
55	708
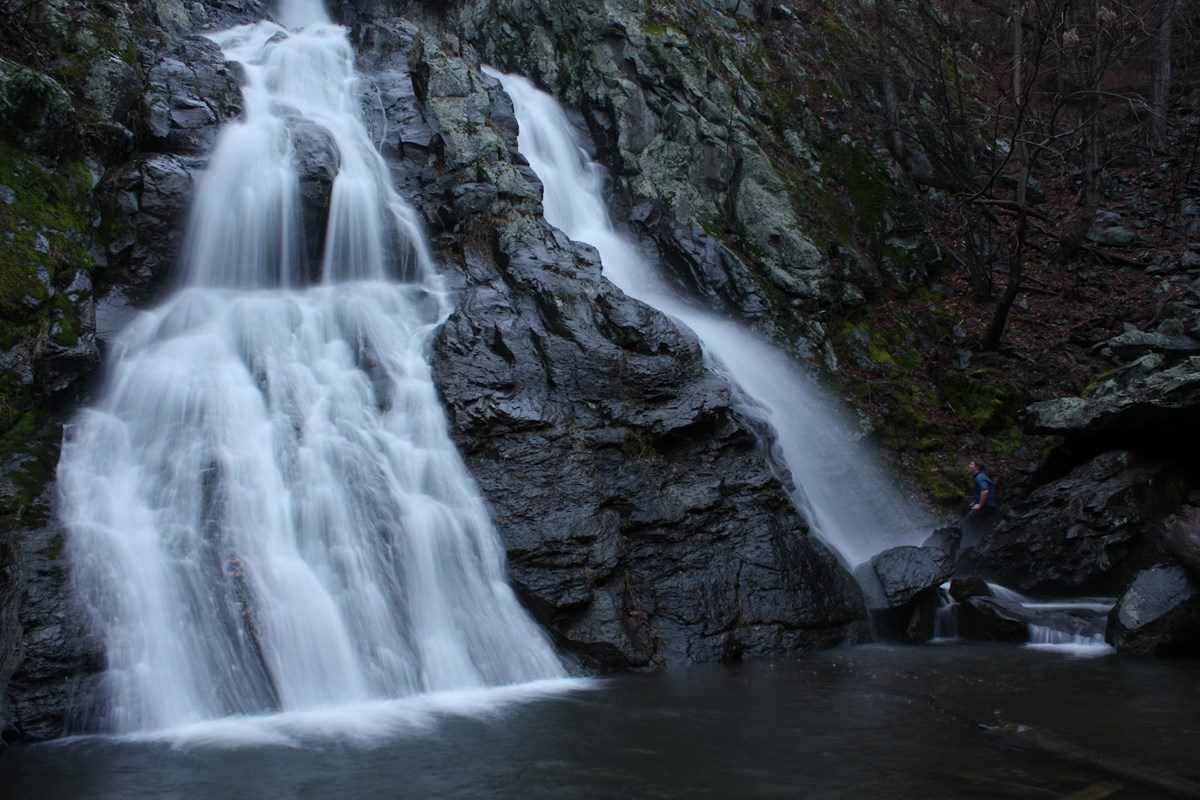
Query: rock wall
1112	508
643	521
104	121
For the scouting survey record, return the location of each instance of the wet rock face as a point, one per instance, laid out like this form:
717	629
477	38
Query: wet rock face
641	520
12	589
190	92
150	198
901	587
635	504
58	660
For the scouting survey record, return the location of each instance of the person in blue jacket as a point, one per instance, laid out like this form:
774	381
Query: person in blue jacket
983	508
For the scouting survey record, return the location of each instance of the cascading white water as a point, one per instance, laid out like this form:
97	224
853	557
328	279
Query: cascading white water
1082	639
850	503
265	510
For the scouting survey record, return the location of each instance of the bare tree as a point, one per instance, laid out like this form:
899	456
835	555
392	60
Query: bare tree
1020	152
984	95
1160	75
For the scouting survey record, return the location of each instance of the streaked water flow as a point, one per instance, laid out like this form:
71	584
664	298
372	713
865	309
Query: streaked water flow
266	513
846	497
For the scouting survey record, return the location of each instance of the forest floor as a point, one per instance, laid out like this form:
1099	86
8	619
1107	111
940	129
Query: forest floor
1065	309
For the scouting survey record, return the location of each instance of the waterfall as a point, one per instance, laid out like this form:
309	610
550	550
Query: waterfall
839	487
265	511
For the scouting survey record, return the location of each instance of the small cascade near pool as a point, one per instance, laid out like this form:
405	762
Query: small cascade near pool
1073	642
266	514
1074	626
849	501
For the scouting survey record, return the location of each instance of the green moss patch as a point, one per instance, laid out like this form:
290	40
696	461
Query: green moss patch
986	400
30	450
45	219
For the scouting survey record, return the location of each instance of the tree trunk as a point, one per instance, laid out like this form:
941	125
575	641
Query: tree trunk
1077	227
1160	76
1016	271
1016	261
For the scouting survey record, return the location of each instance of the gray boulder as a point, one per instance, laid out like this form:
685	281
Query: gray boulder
1159	614
1163	405
901	588
1112	236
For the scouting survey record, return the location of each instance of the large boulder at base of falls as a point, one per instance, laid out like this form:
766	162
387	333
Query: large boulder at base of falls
636	505
642	521
901	588
1159	614
1091	530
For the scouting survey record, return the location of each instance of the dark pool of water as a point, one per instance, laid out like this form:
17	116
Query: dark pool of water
950	721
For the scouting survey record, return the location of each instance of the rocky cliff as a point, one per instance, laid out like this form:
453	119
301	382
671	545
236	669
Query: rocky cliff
644	524
643	520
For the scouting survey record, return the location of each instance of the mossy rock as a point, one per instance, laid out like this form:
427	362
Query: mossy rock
46	218
45	231
29	452
986	400
36	112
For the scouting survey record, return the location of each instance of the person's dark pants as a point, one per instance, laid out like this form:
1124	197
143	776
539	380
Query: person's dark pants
977	524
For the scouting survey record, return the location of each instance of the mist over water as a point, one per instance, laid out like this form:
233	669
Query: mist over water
849	501
265	511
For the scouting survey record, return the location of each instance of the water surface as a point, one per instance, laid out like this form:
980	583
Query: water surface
928	722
